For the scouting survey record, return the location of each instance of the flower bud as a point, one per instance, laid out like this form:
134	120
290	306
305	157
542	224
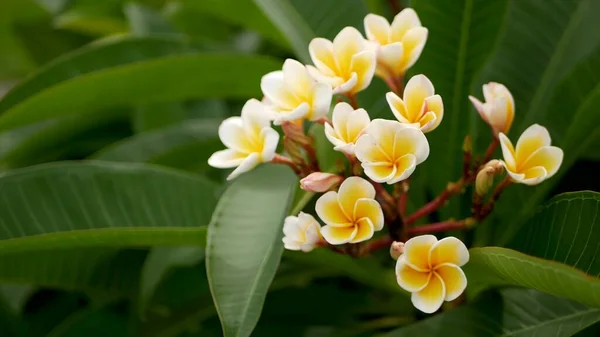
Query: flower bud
396	249
498	110
294	130
485	177
320	181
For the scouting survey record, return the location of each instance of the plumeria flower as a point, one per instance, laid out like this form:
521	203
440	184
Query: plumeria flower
421	107
351	214
398	45
301	232
250	140
292	94
318	182
499	107
348	125
533	160
430	270
390	151
347	64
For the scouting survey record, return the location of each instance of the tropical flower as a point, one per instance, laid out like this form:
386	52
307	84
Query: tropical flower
430	270
351	214
390	151
533	160
499	107
301	232
348	125
398	45
292	94
249	139
320	181
347	64
485	177
420	108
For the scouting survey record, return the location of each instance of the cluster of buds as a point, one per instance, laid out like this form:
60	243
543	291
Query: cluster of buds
355	203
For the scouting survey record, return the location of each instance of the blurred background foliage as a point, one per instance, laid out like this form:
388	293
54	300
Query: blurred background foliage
149	82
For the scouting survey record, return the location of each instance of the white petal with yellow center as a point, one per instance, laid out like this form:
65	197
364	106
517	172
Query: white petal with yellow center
449	250
430	298
416	252
410	279
301	232
348	125
421	107
454	280
351	190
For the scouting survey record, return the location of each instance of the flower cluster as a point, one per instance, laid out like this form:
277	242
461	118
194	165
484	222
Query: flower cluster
356	202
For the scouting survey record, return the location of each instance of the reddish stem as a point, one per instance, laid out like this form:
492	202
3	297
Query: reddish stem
353	101
443	226
433	205
279	159
378	244
490	150
395	6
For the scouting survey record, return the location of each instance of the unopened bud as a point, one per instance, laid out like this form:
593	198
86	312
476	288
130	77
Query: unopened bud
485	177
396	249
320	181
467	147
294	130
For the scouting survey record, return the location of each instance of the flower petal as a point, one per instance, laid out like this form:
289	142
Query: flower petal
370	209
331	80
449	250
291	228
454	279
377	28
416	251
436	105
250	162
321	53
255	117
411	141
226	158
383	133
548	157
430	298
533	138
232	135
534	176
508	152
417	89
347	43
347	86
381	172
364	230
329	210
356	123
398	107
322	97
338	235
368	151
277	92
363	64
390	59
405	166
352	189
296	78
290	244
300	112
404	21
413	43
340	116
270	139
333	136
478	105
410	279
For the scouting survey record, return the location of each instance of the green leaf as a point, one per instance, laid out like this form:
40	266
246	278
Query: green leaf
500	266
187	145
548	70
302	20
62	224
143	20
514	312
244	245
93	322
223	75
461	37
565	229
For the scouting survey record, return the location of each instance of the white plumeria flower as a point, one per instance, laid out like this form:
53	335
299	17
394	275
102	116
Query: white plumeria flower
390	151
301	232
249	139
498	111
348	125
347	64
430	270
421	107
292	94
398	45
533	160
351	214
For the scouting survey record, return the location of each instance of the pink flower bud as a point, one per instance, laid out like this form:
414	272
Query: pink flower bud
396	249
320	182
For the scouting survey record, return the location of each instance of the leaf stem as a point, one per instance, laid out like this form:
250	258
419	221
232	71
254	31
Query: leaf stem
442	226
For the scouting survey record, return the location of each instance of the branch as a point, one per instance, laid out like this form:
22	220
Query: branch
443	226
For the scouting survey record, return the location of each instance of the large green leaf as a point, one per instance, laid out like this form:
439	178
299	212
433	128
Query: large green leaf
461	37
552	70
495	266
302	20
62	224
244	245
514	312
